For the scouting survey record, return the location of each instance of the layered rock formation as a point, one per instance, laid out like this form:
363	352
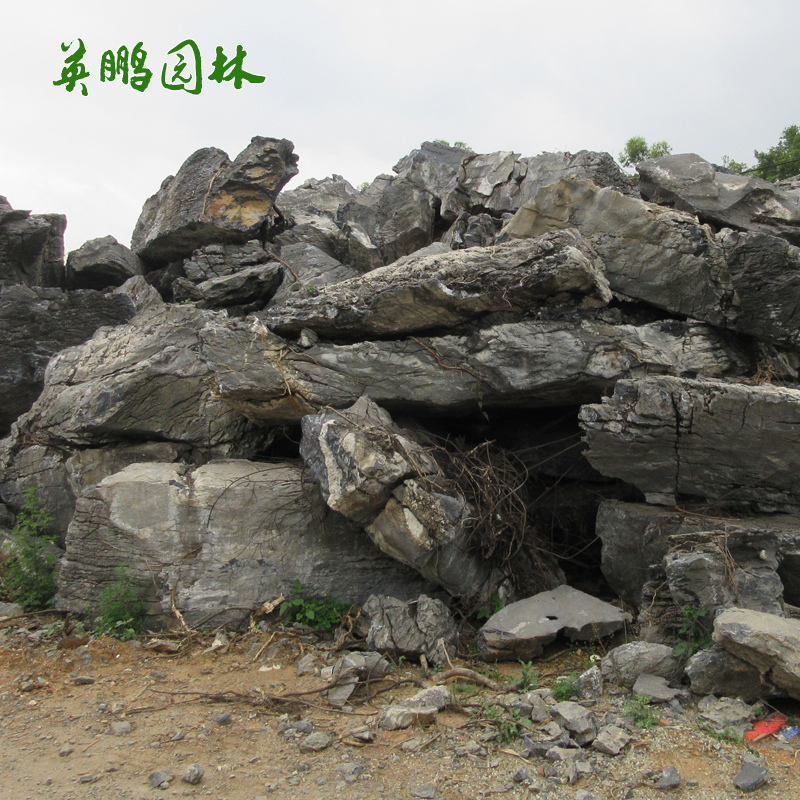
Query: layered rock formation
301	386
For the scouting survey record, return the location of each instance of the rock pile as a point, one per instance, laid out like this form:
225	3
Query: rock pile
393	331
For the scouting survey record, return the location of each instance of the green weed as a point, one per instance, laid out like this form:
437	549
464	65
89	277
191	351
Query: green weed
320	613
526	678
27	566
695	636
564	687
644	716
121	608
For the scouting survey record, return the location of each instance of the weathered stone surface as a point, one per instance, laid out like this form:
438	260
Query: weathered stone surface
765	272
146	379
528	363
224	537
670	778
212	200
655	254
688	182
750	777
246	290
636	536
397	216
432	167
625	663
310	269
472	230
611	740
220	260
726	715
581	722
522	629
718	441
424	525
31	247
655	687
37	323
442	290
355	248
419	709
417	627
374	472
716	671
314	199
502	182
770	643
100	263
357	456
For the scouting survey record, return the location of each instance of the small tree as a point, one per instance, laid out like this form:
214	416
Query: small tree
637	150
783	160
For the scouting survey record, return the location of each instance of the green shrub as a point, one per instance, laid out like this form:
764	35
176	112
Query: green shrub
643	715
564	687
27	566
694	635
320	613
636	150
121	608
526	678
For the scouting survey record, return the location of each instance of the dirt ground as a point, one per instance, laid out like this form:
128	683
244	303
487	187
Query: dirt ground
59	699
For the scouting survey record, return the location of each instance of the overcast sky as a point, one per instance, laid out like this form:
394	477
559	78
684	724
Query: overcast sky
356	84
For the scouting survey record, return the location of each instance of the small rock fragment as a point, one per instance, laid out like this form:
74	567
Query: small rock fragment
88	778
750	777
579	721
611	740
315	742
193	774
222	719
121	728
82	680
160	779
670	779
426	792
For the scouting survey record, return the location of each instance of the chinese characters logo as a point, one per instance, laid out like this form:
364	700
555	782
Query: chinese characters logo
184	72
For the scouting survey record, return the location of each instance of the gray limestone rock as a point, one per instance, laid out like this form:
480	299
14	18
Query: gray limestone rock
100	263
718	672
636	536
471	230
589	684
354	248
146	379
528	363
247	290
670	778
444	290
316	742
432	167
658	255
770	643
221	260
750	777
655	687
37	323
689	183
611	740
581	722
212	200
502	182
419	709
193	774
522	629
673	437
624	664
412	628
220	538
726	714
310	269
31	247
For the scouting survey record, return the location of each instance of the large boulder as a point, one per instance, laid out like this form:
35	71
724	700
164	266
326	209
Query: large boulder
31	247
688	182
377	474
146	380
218	541
501	182
436	291
770	643
571	359
432	167
701	439
212	200
651	253
636	536
100	263
35	324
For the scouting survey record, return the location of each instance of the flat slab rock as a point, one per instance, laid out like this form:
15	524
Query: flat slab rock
522	629
673	437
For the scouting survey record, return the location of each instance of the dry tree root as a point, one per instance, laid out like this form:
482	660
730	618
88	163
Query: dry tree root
463	672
